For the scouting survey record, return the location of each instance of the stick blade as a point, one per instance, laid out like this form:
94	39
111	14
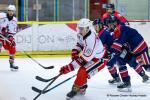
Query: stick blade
49	67
36	89
42	79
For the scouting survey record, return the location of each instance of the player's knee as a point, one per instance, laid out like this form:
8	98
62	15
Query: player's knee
81	77
82	72
120	62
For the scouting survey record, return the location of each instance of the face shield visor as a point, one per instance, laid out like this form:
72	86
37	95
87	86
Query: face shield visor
83	30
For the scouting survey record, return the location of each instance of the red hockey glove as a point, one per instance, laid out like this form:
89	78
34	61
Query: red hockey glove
66	69
4	31
12	41
74	54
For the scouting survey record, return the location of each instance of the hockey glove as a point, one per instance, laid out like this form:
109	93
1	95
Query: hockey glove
74	54
66	69
12	41
4	31
112	59
107	55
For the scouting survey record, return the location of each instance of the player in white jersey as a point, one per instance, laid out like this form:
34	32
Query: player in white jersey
8	28
86	55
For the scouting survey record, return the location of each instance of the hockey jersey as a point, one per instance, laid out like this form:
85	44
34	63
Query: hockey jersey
90	47
10	25
122	19
106	38
130	36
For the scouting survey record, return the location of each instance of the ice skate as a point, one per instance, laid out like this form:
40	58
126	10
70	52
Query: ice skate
124	87
13	67
114	81
76	91
146	79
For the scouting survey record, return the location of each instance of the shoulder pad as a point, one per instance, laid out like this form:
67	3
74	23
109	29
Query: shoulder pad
105	15
117	14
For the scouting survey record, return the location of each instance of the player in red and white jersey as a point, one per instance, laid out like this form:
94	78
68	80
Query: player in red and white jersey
8	28
110	12
86	55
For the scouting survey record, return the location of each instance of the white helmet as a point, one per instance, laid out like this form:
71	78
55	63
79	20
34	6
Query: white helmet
84	22
11	7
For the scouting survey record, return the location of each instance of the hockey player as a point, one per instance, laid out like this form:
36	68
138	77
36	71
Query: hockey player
86	56
136	47
107	40
8	28
110	12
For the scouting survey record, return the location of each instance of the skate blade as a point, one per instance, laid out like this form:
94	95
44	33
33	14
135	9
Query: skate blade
125	90
13	70
117	83
68	98
147	82
148	70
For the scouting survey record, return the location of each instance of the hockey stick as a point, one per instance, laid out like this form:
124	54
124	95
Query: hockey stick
49	67
45	91
44	80
5	38
41	92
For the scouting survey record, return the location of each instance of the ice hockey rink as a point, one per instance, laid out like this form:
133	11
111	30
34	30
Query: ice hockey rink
17	85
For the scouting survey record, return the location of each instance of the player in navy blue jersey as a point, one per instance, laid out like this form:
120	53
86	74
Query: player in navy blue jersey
107	40
111	12
128	47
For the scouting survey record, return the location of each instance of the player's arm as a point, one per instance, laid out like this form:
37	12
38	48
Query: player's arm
109	39
76	50
86	55
104	18
119	36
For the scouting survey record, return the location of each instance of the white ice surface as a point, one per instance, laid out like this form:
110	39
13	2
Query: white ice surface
17	85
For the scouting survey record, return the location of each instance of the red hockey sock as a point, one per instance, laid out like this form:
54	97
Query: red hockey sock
81	78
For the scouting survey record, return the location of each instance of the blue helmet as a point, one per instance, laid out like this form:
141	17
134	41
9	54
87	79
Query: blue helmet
110	6
111	20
